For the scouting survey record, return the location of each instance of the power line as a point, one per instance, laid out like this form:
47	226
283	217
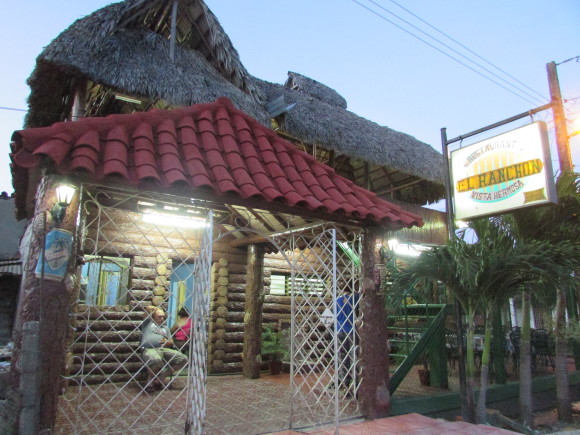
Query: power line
543	98
576	58
443	52
13	109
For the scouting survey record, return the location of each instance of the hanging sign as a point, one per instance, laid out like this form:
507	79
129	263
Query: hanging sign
327	318
503	173
57	250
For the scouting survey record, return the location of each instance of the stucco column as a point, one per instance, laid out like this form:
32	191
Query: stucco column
374	392
48	303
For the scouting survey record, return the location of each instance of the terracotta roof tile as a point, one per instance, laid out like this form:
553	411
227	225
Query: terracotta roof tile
207	146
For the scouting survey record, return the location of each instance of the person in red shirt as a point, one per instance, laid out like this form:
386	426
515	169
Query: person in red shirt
181	331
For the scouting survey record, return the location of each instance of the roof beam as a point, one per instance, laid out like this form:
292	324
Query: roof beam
255	239
401	186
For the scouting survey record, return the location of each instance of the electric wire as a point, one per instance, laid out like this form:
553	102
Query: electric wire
13	109
542	97
443	52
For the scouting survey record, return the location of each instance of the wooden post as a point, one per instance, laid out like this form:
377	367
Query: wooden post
374	391
252	358
47	302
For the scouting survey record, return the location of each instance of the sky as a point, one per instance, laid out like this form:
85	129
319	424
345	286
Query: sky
384	73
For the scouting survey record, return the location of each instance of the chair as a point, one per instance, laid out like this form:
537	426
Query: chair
541	344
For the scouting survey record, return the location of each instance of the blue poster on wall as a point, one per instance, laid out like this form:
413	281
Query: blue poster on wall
57	253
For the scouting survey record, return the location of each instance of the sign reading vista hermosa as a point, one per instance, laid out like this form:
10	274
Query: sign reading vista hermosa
503	173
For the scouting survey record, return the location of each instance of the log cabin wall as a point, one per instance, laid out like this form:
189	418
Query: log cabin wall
110	333
228	305
151	259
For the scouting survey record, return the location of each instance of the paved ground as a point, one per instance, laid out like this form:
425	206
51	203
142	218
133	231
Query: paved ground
408	424
235	406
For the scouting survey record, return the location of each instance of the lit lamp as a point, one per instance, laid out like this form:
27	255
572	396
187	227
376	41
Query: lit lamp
64	194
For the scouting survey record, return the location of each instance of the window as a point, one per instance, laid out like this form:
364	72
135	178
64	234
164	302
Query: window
104	280
281	284
181	290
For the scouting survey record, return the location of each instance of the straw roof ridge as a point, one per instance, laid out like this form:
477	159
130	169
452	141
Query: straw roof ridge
314	89
115	47
119	63
336	128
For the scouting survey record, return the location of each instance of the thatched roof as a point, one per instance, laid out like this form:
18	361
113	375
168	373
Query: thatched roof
320	116
126	47
116	46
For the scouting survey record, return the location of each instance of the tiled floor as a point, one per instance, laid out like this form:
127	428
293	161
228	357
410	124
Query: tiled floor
409	424
235	405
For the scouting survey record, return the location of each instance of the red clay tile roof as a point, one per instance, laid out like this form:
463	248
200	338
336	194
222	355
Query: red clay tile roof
213	145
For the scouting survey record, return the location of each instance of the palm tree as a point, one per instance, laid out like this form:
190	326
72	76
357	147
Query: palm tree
451	265
508	265
557	224
482	275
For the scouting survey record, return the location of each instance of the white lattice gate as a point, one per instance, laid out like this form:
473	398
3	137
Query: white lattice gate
132	263
325	373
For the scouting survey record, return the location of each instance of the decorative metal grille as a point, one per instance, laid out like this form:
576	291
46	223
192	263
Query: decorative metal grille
325	354
196	397
105	388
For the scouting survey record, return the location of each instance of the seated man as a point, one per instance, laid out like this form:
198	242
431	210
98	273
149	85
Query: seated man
160	359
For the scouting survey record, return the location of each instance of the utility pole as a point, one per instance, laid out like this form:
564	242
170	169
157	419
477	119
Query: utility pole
559	119
563	297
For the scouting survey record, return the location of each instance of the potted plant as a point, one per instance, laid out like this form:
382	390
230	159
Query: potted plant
273	349
425	374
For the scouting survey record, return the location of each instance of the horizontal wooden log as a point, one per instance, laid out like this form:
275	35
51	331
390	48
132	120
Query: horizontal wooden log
276	308
234	327
108	325
79	348
141	261
234	268
115	337
141	295
237	278
237	297
136	249
234	337
140	305
142	284
277	299
234	347
236	306
164	240
238	317
117	312
277	265
232	357
237	287
102	357
233	256
143	273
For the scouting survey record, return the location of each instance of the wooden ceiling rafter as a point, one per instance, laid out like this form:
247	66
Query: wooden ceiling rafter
415	180
257	222
259	238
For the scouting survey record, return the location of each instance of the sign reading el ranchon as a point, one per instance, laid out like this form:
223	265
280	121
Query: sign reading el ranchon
503	173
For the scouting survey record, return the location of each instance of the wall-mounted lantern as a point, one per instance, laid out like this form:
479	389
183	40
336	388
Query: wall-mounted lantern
64	195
